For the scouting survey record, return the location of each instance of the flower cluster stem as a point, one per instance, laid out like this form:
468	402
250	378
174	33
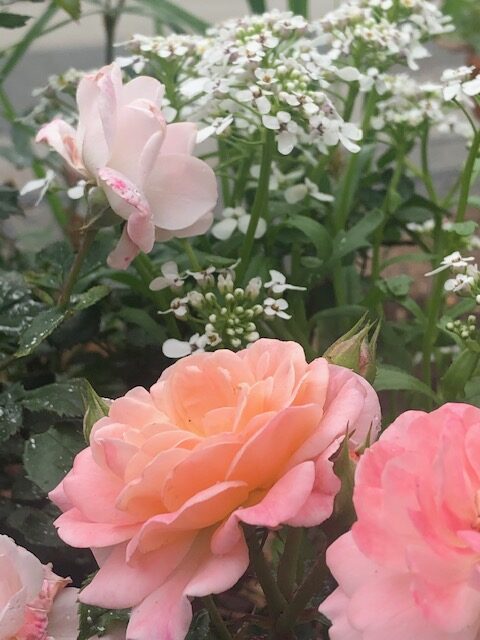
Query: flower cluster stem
260	204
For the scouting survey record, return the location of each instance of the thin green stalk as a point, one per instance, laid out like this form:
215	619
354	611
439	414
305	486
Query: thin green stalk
299	7
190	253
350	101
426	173
288	566
431	331
111	16
145	269
216	619
257	6
348	186
275	601
242	179
309	587
260	204
467	178
87	240
387	210
19	50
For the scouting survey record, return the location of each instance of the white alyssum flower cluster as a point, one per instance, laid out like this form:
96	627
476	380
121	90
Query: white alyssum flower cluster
460	83
466	275
261	69
408	104
383	32
226	316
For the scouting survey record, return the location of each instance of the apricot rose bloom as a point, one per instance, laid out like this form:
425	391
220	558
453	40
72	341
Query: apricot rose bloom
222	438
410	566
123	143
34	604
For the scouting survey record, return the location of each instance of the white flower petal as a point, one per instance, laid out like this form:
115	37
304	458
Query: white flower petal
173	348
223	230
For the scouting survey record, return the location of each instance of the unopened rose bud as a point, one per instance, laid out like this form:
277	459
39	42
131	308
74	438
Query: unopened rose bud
355	350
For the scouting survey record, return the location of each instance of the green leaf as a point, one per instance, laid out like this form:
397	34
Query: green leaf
314	232
10	412
200	627
95	621
170	13
42	326
12	20
62	398
398	286
49	456
9	205
458	375
472	391
464	229
90	297
141	318
35	525
72	7
357	237
391	378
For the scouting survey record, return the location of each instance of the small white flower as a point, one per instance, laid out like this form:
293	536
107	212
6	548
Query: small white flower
461	282
218	126
297	192
236	218
278	283
173	348
78	191
179	307
276	307
253	288
203	277
453	261
458	81
33	192
170	278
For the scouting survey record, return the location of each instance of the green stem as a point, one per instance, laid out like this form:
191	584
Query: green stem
309	587
426	173
111	16
216	619
288	566
431	331
350	101
349	184
190	253
467	178
145	269
299	7
241	182
387	210
260	204
86	242
275	601
32	34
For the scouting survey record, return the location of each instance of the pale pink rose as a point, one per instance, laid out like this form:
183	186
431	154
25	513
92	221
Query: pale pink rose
145	166
222	438
34	604
410	567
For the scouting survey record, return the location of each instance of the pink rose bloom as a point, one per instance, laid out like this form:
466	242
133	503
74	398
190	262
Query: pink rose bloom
410	567
222	438
145	166
34	604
